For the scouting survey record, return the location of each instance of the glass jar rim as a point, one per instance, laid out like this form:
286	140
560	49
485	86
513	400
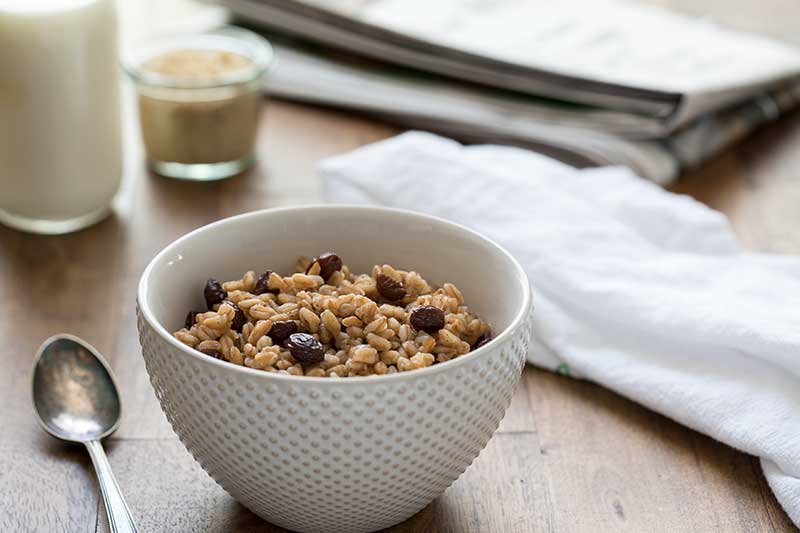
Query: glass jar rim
227	39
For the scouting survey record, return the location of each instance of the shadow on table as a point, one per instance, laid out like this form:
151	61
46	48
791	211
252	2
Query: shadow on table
243	520
58	450
630	428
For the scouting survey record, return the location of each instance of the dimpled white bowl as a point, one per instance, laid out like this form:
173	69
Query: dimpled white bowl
320	454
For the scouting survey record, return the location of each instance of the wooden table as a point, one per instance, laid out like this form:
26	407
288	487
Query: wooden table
569	456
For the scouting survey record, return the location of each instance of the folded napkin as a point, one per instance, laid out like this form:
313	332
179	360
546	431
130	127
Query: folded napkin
640	290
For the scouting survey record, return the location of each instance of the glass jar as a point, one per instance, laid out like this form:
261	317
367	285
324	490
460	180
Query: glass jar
200	100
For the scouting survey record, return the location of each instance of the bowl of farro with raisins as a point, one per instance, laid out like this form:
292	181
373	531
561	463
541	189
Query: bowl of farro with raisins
362	354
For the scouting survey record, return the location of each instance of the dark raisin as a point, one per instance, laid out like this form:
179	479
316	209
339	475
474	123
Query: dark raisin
427	318
262	284
213	353
390	289
214	293
239	319
280	331
329	263
305	348
483	339
191	318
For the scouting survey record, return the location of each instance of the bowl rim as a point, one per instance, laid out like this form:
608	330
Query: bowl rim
519	318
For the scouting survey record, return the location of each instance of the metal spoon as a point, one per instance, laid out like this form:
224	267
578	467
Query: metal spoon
76	400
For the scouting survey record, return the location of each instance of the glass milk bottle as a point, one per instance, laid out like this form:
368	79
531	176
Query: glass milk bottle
60	133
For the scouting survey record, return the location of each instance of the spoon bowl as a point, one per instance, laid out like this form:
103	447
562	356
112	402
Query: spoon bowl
74	393
76	400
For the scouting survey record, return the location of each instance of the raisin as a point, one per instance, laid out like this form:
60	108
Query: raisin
239	319
427	318
329	263
214	293
280	331
191	318
482	340
305	348
212	353
390	289
262	284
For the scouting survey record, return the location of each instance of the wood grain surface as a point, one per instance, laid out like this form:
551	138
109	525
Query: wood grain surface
569	456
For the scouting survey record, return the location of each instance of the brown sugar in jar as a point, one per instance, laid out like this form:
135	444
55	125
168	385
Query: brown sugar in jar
199	107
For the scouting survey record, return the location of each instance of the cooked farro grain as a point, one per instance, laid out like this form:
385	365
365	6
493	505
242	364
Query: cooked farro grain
337	323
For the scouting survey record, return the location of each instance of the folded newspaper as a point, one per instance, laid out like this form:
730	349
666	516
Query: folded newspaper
600	82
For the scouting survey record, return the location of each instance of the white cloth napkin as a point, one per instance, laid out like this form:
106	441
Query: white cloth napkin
641	290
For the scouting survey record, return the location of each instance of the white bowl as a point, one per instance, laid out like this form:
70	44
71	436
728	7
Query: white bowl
321	454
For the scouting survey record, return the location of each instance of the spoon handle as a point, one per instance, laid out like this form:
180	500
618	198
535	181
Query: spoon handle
119	516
